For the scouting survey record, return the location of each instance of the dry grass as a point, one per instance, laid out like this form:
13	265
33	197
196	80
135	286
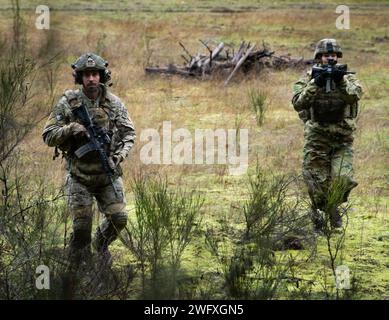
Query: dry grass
126	39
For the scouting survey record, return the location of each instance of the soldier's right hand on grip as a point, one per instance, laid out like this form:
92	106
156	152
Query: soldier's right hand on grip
338	75
76	129
320	80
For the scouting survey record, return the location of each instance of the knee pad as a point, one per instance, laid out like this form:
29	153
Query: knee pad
82	212
116	215
109	230
115	208
119	220
82	223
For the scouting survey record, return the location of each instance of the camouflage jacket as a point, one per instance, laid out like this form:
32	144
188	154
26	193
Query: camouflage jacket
106	112
307	96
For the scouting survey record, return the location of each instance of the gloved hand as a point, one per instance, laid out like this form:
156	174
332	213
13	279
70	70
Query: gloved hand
114	160
75	129
320	80
337	75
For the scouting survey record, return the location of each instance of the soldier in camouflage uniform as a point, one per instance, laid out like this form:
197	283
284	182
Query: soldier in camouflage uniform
329	119
86	179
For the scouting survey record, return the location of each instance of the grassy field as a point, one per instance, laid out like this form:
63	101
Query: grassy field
131	34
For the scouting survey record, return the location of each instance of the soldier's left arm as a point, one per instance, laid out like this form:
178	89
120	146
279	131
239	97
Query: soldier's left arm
352	88
125	130
304	91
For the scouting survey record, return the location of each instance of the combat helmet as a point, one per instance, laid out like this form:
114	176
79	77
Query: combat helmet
91	61
327	46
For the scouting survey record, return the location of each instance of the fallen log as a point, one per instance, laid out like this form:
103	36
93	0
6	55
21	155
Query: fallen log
169	70
230	60
215	53
240	62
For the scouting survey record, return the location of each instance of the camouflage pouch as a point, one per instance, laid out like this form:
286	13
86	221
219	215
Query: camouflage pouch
328	108
328	113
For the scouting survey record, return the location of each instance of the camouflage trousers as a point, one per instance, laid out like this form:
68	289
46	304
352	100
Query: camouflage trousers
328	162
80	201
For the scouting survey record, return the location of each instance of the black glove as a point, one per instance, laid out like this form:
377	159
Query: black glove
320	80
337	75
75	129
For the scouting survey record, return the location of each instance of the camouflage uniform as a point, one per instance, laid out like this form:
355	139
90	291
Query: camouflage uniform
86	178
329	126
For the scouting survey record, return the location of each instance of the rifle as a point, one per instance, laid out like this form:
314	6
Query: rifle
98	137
328	70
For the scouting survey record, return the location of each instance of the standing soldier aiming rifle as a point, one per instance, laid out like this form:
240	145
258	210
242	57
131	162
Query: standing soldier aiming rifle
327	101
92	128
